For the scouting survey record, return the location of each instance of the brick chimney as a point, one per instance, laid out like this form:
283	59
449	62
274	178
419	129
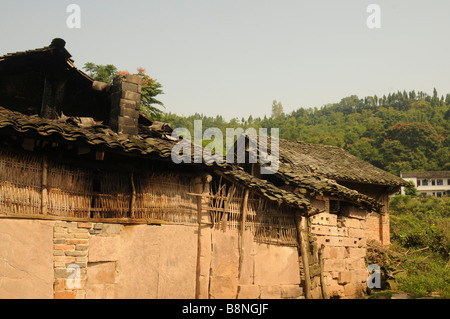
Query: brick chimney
125	104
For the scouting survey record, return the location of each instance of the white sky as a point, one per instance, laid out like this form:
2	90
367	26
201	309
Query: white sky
234	57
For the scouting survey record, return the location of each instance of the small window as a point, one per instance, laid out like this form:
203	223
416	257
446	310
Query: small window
433	182
334	207
448	181
439	194
440	182
425	182
418	182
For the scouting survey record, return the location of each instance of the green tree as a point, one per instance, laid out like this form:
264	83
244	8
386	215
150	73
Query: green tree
102	73
277	109
412	190
150	90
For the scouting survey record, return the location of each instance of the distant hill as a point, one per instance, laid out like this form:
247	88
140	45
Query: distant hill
403	131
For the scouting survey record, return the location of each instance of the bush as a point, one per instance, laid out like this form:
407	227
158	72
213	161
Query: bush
421	222
417	262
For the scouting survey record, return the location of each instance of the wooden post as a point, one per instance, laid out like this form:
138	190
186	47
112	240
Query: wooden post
199	189
301	226
133	197
44	198
242	230
322	279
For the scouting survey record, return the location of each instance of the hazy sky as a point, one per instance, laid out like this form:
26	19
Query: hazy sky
233	58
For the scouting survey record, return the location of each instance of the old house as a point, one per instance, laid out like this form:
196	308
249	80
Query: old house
349	206
92	205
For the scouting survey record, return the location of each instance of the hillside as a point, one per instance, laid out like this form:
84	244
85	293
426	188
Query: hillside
403	131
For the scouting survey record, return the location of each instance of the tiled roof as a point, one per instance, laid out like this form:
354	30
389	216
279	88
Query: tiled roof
320	186
86	130
332	162
56	48
96	134
426	174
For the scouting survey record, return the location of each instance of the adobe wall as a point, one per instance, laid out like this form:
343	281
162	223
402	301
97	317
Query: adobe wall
78	260
26	259
268	271
126	261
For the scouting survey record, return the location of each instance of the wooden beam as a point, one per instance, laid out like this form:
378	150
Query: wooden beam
322	278
44	196
148	221
242	230
47	100
198	189
133	197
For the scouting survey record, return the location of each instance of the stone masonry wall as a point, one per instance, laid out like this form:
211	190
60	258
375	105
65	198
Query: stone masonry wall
125	104
344	241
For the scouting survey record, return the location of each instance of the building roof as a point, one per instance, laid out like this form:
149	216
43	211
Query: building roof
85	130
332	162
426	174
56	48
154	141
315	186
312	169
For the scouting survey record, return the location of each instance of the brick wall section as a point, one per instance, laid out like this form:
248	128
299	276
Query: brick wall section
70	255
377	226
345	240
71	243
125	104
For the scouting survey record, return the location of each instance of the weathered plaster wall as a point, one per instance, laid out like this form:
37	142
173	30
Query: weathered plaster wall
26	259
157	262
39	259
268	271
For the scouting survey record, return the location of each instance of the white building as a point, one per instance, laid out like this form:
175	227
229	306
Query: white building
435	183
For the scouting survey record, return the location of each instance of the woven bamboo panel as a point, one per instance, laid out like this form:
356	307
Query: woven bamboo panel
114	197
69	191
271	223
268	222
20	183
165	197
